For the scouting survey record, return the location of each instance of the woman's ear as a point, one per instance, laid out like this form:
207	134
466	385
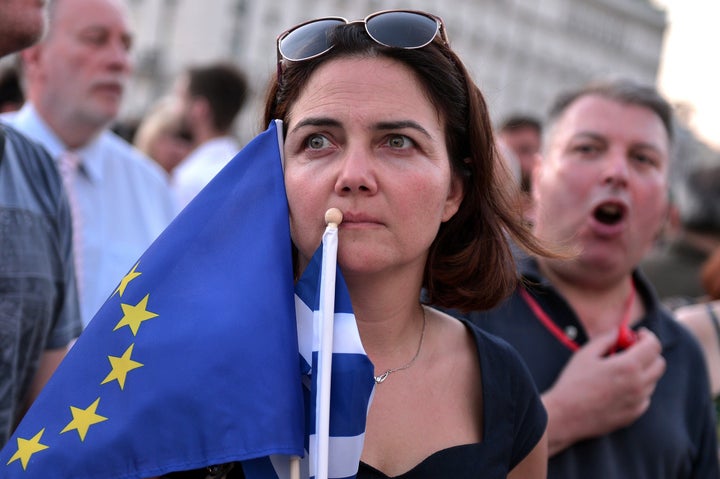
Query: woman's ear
456	194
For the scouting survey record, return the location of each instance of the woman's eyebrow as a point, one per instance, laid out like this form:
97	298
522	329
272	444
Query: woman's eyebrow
398	125
382	126
316	121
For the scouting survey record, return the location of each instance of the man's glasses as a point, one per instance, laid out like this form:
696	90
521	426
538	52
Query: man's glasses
408	29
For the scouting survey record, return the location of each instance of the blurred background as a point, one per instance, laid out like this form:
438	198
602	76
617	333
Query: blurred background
521	52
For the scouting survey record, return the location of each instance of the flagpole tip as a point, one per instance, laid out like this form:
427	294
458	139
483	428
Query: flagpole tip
333	216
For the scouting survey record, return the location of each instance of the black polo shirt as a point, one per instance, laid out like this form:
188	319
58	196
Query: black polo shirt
675	438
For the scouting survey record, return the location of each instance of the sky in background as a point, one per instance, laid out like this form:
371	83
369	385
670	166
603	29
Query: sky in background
689	70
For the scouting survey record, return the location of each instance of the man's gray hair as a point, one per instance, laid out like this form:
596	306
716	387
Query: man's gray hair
624	91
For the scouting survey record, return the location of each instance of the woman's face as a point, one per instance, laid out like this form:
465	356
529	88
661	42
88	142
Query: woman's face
169	149
363	137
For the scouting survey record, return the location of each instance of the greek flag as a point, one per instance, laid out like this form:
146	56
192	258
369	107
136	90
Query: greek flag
195	358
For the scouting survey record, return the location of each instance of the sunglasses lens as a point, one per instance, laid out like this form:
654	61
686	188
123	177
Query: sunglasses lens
309	40
402	29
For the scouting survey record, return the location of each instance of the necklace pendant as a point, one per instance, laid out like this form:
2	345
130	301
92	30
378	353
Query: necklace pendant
382	377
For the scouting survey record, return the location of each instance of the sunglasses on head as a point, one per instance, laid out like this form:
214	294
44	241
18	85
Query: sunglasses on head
408	29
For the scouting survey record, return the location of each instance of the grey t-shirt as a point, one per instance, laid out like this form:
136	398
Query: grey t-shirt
38	298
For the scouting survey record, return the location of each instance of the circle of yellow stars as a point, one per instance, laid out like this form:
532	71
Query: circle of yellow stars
83	418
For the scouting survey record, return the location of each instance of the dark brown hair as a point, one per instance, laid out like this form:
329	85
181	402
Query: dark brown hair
470	264
519	122
224	87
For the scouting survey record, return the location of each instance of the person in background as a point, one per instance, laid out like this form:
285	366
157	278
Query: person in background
389	128
522	134
119	198
161	135
211	97
710	275
625	386
703	320
39	312
675	266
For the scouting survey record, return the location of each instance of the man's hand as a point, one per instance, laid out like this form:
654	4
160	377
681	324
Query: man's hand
596	394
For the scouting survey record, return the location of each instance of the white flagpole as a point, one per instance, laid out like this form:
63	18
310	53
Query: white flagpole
294	467
333	217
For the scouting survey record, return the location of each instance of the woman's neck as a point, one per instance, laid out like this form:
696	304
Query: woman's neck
387	310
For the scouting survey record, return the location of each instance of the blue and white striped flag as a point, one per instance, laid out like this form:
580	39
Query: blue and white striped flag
352	382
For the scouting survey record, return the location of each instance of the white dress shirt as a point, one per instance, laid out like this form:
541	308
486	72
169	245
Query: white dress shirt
124	199
201	166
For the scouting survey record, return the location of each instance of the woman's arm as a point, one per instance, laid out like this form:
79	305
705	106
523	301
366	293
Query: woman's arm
534	466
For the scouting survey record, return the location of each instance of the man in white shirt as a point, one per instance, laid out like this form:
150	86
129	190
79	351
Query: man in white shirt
211	97
119	199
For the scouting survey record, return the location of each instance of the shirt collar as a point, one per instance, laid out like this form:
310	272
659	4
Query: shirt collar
28	119
534	279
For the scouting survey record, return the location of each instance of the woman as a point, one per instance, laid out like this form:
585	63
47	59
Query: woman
162	136
399	139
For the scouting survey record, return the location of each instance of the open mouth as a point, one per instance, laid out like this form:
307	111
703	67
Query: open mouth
609	213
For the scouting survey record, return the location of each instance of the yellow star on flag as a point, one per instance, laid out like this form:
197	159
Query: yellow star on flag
134	315
26	448
121	366
126	280
83	419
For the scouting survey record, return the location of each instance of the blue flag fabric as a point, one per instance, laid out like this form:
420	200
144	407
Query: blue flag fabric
193	359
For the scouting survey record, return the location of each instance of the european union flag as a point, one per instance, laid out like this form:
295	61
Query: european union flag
193	359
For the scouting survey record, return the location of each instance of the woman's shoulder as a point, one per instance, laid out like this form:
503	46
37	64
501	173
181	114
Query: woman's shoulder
489	346
502	369
511	403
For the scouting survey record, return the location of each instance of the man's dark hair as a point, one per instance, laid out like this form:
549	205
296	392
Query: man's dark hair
518	122
224	86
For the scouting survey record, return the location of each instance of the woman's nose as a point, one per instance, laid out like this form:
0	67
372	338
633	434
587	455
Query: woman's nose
356	173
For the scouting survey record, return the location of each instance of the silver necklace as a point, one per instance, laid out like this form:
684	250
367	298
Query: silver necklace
384	376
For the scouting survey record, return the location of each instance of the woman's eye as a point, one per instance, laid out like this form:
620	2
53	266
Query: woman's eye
400	141
316	142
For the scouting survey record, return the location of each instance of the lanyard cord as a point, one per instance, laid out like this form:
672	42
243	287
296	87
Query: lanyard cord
547	322
625	335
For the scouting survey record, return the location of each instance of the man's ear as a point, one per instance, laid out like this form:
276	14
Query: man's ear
29	60
31	55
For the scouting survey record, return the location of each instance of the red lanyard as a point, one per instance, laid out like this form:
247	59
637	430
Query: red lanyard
626	336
